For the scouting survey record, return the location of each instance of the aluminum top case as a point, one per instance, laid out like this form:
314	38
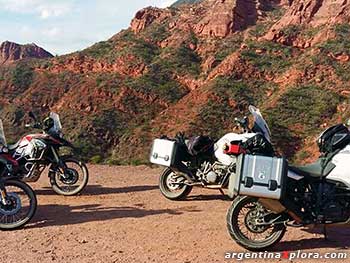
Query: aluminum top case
163	152
259	176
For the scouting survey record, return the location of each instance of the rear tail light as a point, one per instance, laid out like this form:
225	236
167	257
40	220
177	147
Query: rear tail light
234	149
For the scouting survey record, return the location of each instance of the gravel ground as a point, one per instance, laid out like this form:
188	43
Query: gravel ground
122	217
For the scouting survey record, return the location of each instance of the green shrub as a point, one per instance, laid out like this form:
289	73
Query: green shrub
159	81
217	116
127	44
274	58
111	161
99	50
182	60
305	105
260	29
22	76
339	44
96	159
156	32
137	162
228	46
144	50
292	30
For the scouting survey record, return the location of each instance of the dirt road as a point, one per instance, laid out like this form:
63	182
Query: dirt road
122	217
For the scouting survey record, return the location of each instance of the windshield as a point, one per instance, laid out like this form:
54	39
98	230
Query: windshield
57	123
2	135
260	122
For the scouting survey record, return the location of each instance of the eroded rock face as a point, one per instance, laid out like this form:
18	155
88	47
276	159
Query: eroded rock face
10	52
146	17
213	18
228	16
85	65
312	13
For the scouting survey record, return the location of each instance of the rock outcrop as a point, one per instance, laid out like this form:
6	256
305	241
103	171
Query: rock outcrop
228	16
312	13
146	17
211	18
10	52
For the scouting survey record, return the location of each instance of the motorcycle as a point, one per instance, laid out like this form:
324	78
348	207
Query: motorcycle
203	162
18	201
270	199
34	152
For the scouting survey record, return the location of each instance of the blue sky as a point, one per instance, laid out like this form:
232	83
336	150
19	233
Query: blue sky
64	26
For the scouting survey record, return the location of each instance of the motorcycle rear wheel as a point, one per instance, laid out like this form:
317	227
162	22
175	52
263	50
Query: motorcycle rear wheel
22	206
235	220
169	189
71	183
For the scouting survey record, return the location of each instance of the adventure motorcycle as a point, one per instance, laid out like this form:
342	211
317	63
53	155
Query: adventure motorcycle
18	201
202	162
34	152
274	195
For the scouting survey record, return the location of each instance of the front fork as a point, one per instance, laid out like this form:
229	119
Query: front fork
59	161
3	194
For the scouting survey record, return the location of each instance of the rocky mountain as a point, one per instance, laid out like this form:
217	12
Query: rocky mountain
10	52
193	68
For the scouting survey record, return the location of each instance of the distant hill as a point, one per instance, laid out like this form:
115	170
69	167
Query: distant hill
10	52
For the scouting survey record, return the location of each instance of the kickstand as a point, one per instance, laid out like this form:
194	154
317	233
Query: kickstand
325	232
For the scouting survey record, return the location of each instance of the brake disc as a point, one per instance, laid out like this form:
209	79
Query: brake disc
70	177
13	207
251	220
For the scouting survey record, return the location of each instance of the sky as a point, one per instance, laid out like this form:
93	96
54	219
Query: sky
65	26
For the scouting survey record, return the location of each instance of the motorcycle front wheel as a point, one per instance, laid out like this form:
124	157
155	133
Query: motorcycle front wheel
20	207
171	185
242	218
71	181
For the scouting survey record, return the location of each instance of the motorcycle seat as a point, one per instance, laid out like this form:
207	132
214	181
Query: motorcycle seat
314	169
12	147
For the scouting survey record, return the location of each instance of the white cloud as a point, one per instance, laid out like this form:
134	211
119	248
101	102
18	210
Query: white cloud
44	9
55	10
63	26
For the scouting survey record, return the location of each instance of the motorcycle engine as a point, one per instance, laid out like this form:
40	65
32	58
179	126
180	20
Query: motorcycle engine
333	209
212	173
333	212
211	177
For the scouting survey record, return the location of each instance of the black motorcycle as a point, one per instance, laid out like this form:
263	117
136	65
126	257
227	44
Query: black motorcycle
204	162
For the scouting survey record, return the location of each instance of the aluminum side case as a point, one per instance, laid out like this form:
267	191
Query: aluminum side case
259	176
163	152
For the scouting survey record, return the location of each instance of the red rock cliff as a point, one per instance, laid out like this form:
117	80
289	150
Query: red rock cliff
10	52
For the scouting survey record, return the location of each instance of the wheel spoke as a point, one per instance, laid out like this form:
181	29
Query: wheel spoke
246	222
19	207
